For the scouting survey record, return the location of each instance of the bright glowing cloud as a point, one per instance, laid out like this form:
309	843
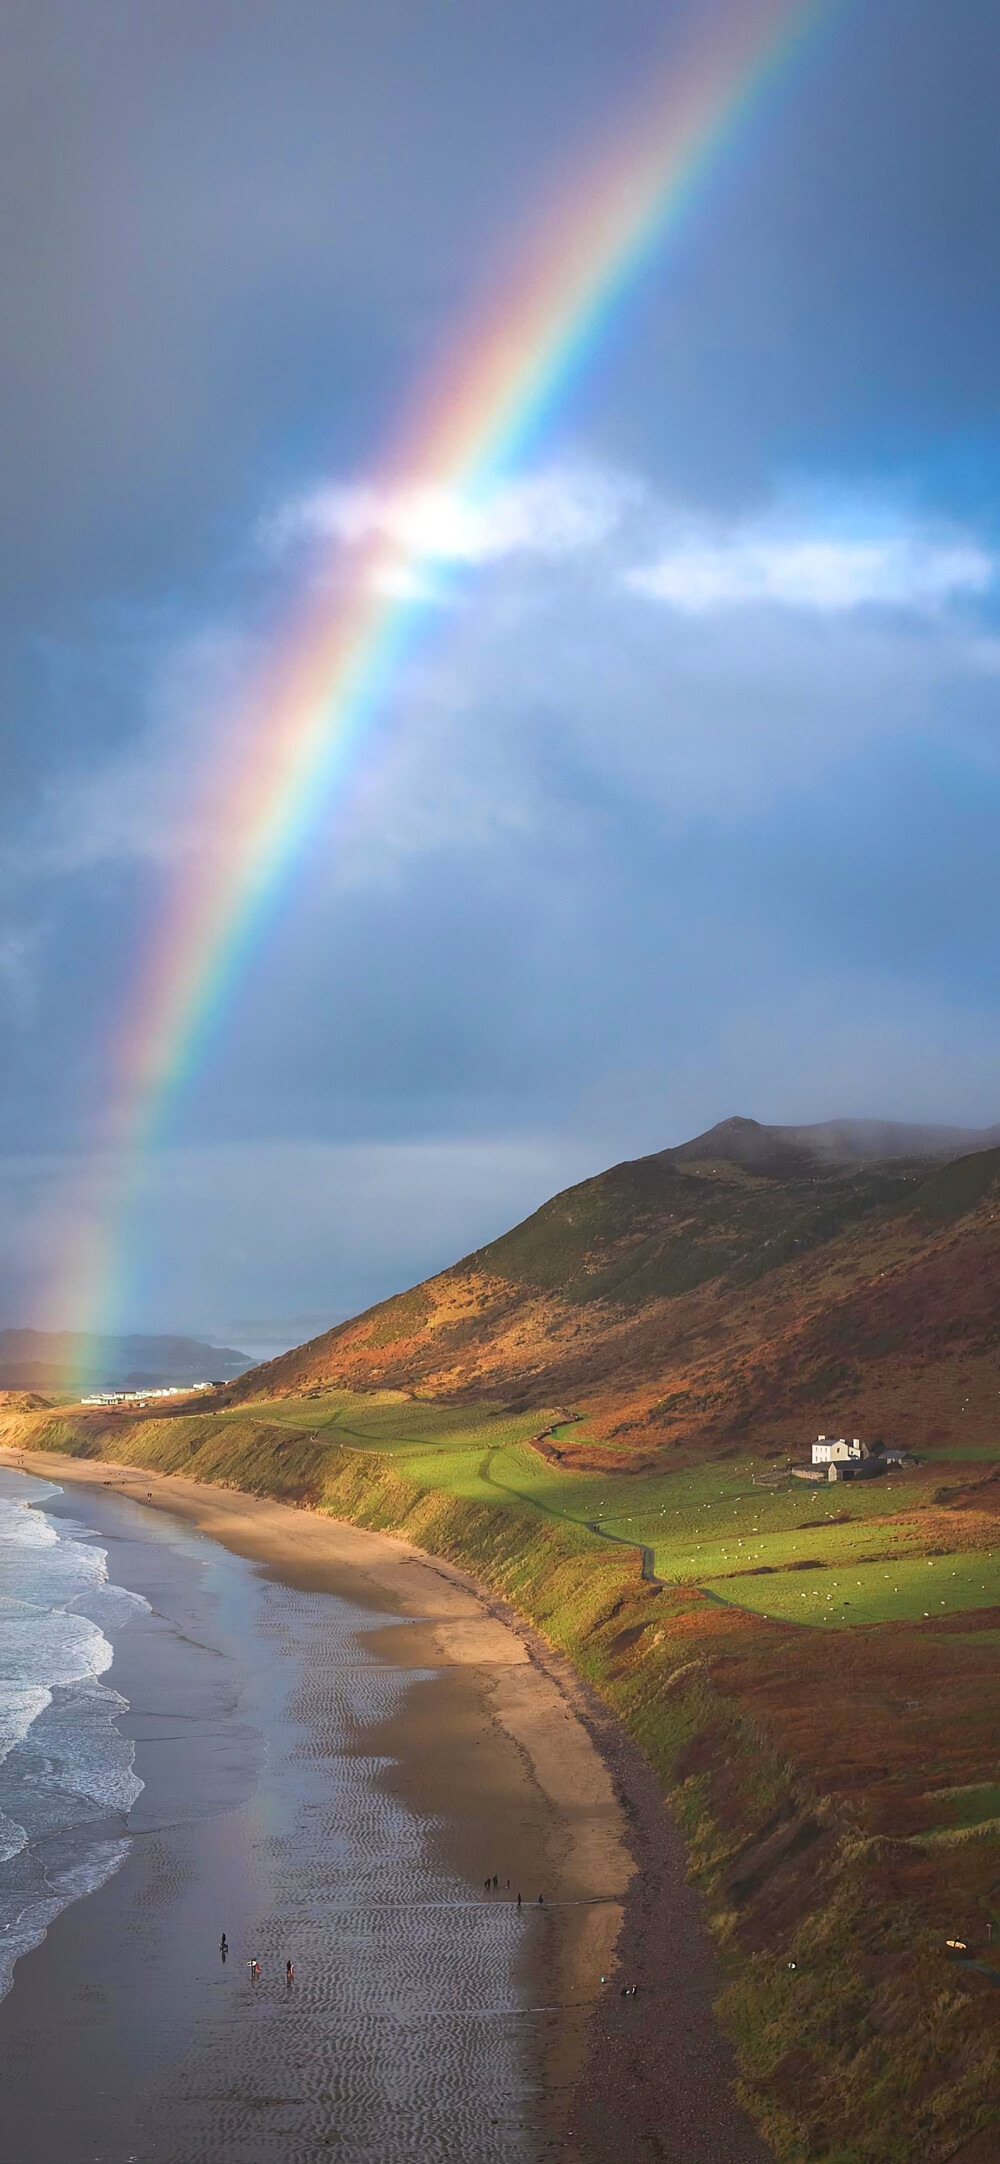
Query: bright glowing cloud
556	513
768	651
805	567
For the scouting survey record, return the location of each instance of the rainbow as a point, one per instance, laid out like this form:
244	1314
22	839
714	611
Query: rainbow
476	414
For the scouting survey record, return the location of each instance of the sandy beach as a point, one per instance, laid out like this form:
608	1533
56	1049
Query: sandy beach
508	1764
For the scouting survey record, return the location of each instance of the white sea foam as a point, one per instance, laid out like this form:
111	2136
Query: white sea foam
43	1649
18	1708
74	1750
26	1926
65	1769
111	1607
22	1527
44	1562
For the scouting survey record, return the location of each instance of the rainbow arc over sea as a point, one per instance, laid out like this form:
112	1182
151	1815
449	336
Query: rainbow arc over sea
507	367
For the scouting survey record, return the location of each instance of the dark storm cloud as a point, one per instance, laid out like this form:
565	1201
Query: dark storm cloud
232	231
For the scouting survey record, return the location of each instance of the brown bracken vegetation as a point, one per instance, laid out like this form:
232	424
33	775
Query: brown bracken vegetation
690	1298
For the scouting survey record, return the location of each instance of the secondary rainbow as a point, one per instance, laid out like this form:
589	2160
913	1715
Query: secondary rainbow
292	741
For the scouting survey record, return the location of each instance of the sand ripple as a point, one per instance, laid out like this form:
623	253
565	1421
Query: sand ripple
403	2037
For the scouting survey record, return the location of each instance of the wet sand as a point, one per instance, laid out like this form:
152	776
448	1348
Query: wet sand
508	1764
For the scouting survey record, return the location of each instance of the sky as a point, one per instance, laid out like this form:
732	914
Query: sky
684	804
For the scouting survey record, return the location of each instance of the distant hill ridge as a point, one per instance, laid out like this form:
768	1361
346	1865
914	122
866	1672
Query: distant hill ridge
52	1361
843	1142
774	1279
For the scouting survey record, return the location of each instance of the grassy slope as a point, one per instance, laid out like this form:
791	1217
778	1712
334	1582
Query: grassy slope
837	1783
696	1302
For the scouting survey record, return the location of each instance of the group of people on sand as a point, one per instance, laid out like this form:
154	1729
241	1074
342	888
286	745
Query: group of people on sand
253	1964
492	1885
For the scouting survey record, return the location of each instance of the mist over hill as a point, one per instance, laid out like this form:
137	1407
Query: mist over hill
768	1277
835	1142
51	1361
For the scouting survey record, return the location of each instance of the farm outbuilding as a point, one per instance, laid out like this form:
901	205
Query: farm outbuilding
866	1468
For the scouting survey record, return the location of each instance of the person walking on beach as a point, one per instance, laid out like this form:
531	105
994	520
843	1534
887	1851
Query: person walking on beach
223	1946
289	1973
519	1900
254	1971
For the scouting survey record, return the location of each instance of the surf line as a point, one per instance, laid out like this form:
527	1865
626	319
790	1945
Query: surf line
281	760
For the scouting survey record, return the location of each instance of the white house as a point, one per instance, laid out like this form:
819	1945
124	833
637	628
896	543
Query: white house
830	1450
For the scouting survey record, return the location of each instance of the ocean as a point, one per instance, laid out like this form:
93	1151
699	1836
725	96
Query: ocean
67	1779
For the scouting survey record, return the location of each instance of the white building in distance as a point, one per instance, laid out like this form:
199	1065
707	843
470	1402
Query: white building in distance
830	1450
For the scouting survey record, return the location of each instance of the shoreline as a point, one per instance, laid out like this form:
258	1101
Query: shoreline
623	2079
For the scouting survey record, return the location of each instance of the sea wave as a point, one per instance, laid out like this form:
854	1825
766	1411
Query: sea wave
74	1757
48	1563
66	1772
26	1925
45	1648
18	1708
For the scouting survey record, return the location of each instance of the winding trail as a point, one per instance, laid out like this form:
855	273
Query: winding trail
648	1555
647	1559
